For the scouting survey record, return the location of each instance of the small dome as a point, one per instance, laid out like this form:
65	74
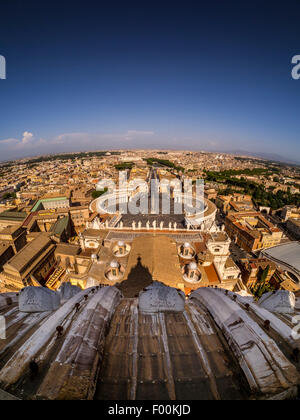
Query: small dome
114	264
187	245
121	243
94	257
193	266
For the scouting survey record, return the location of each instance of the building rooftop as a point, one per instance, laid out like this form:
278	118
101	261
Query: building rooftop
30	252
10	230
13	216
288	253
47	200
61	224
95	233
151	258
67	249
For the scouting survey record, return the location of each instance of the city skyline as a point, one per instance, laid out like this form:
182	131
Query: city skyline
213	78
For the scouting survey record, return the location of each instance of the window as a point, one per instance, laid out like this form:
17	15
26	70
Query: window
293	277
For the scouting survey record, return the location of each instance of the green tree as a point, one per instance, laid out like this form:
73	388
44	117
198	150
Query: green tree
262	287
97	194
7	196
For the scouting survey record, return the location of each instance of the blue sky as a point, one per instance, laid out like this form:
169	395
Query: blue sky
88	75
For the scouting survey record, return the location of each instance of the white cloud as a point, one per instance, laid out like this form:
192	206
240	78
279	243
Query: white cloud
27	137
135	134
213	143
30	145
101	138
10	141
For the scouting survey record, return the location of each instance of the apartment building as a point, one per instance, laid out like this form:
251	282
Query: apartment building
252	231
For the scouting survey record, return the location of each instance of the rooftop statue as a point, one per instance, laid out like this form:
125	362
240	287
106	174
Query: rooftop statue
38	299
160	298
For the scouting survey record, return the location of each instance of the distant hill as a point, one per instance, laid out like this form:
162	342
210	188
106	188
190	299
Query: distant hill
267	156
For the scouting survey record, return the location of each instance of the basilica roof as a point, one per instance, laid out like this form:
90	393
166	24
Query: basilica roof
101	345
